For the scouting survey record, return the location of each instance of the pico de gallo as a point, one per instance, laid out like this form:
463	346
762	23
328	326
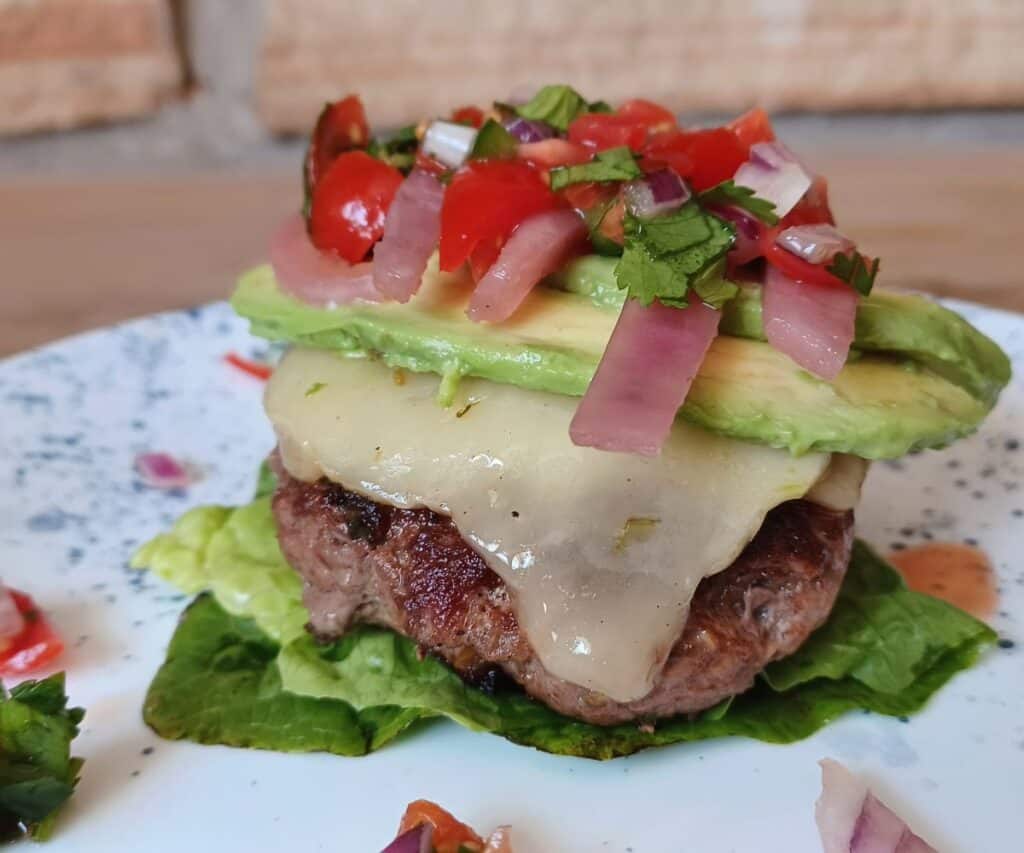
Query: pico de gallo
428	828
511	193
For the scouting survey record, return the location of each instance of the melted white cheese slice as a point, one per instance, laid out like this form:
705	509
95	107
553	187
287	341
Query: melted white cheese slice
602	551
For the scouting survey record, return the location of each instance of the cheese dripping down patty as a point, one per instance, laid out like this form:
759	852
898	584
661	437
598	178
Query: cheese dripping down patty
602	551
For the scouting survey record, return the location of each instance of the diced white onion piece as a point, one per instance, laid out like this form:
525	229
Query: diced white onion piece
814	243
775	175
449	143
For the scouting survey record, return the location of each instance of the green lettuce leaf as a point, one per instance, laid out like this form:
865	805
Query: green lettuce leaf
37	772
220	684
884	649
234	553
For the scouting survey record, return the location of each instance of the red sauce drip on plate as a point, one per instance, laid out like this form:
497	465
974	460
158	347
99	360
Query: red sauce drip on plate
959	574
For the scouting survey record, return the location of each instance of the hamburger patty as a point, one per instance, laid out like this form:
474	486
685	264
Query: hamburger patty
411	570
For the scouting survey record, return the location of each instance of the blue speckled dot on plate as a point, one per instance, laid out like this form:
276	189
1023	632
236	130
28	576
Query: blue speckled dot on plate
74	415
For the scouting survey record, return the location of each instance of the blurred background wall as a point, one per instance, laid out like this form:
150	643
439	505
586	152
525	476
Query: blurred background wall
178	122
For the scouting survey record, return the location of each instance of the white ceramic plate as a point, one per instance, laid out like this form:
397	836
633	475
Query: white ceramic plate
74	415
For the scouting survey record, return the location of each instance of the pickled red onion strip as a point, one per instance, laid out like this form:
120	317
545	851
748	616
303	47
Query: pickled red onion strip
315	277
410	236
811	323
644	376
852	820
538	247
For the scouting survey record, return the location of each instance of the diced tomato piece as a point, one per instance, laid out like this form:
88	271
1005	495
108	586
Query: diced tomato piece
813	208
796	268
426	163
35	647
341	127
589	194
600	131
551	153
473	116
654	117
351	203
752	127
704	157
247	365
449	833
484	202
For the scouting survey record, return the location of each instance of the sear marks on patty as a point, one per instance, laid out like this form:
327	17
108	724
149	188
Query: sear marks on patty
411	570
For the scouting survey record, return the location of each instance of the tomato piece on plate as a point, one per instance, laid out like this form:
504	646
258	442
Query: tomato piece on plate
35	647
449	833
259	369
484	202
796	268
351	203
341	127
704	157
473	116
813	208
752	127
600	131
652	116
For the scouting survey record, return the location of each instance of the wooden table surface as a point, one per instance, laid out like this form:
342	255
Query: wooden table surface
88	253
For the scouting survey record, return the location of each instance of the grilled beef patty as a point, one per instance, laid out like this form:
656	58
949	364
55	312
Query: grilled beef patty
411	570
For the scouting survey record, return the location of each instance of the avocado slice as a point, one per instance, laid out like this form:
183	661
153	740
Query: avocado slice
881	405
896	323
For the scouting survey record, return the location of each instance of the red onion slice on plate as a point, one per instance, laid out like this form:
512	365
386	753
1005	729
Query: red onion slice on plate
163	471
644	376
811	323
852	820
410	236
12	623
774	174
316	277
538	247
415	840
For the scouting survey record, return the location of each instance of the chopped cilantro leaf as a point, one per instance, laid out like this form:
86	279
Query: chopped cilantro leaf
599	107
713	288
729	192
853	268
665	257
493	141
557	105
315	388
615	164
